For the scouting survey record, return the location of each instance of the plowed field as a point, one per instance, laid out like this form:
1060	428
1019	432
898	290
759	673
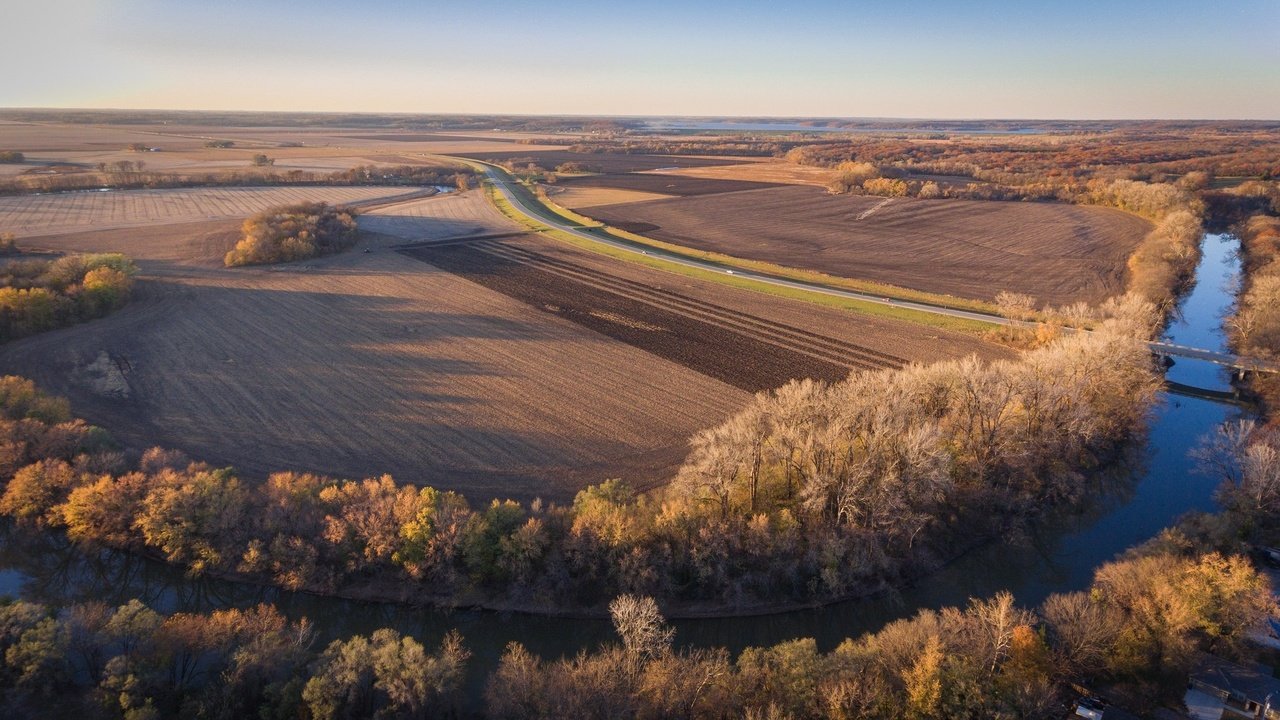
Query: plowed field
26	215
1057	253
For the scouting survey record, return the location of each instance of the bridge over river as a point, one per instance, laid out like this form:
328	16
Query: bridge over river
1240	363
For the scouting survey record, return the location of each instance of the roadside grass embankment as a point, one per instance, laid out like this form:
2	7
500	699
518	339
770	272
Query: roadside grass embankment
557	214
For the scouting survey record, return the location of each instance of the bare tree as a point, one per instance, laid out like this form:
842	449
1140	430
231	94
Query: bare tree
643	630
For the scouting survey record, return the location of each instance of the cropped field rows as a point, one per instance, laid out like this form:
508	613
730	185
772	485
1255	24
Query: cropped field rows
435	218
64	212
366	363
1057	253
836	352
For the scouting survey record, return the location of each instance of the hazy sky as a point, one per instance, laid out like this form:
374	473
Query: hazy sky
917	58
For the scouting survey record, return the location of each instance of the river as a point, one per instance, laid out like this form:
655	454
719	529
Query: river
1058	555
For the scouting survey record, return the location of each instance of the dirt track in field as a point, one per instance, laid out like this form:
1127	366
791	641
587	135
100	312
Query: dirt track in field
1057	253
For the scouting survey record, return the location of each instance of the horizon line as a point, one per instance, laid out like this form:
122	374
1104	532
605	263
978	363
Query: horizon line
631	116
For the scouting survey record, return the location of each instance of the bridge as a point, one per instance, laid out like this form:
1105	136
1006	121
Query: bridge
1240	363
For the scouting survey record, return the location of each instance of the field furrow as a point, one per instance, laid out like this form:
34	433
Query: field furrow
773	334
31	215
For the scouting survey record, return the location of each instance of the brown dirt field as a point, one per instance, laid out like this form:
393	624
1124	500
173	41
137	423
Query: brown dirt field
576	196
1057	253
774	173
912	342
598	162
37	138
427	138
28	215
182	146
662	183
365	363
742	350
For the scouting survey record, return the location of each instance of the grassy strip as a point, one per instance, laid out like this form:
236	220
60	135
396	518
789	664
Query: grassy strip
863	307
541	201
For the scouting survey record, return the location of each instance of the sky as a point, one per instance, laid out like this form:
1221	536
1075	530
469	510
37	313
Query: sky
799	58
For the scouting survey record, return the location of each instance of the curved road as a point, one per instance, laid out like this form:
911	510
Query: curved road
542	214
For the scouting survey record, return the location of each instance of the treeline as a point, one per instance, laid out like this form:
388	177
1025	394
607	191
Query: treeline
131	175
294	232
726	146
90	660
38	295
12	157
812	493
462	178
1135	631
1255	325
1163	264
1066	162
1132	636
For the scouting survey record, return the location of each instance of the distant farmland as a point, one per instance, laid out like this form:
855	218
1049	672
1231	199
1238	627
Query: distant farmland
600	162
65	212
1057	253
664	184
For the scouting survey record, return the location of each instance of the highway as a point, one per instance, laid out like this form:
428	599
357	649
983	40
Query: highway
544	215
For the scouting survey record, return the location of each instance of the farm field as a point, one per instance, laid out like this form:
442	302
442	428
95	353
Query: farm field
860	334
580	196
599	162
368	363
772	172
27	215
666	184
1057	253
510	367
62	148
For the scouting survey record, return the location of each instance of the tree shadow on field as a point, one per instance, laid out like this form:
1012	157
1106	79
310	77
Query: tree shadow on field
421	228
339	383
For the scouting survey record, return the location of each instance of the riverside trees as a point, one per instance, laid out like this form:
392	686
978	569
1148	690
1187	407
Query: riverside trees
130	661
1136	629
814	491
